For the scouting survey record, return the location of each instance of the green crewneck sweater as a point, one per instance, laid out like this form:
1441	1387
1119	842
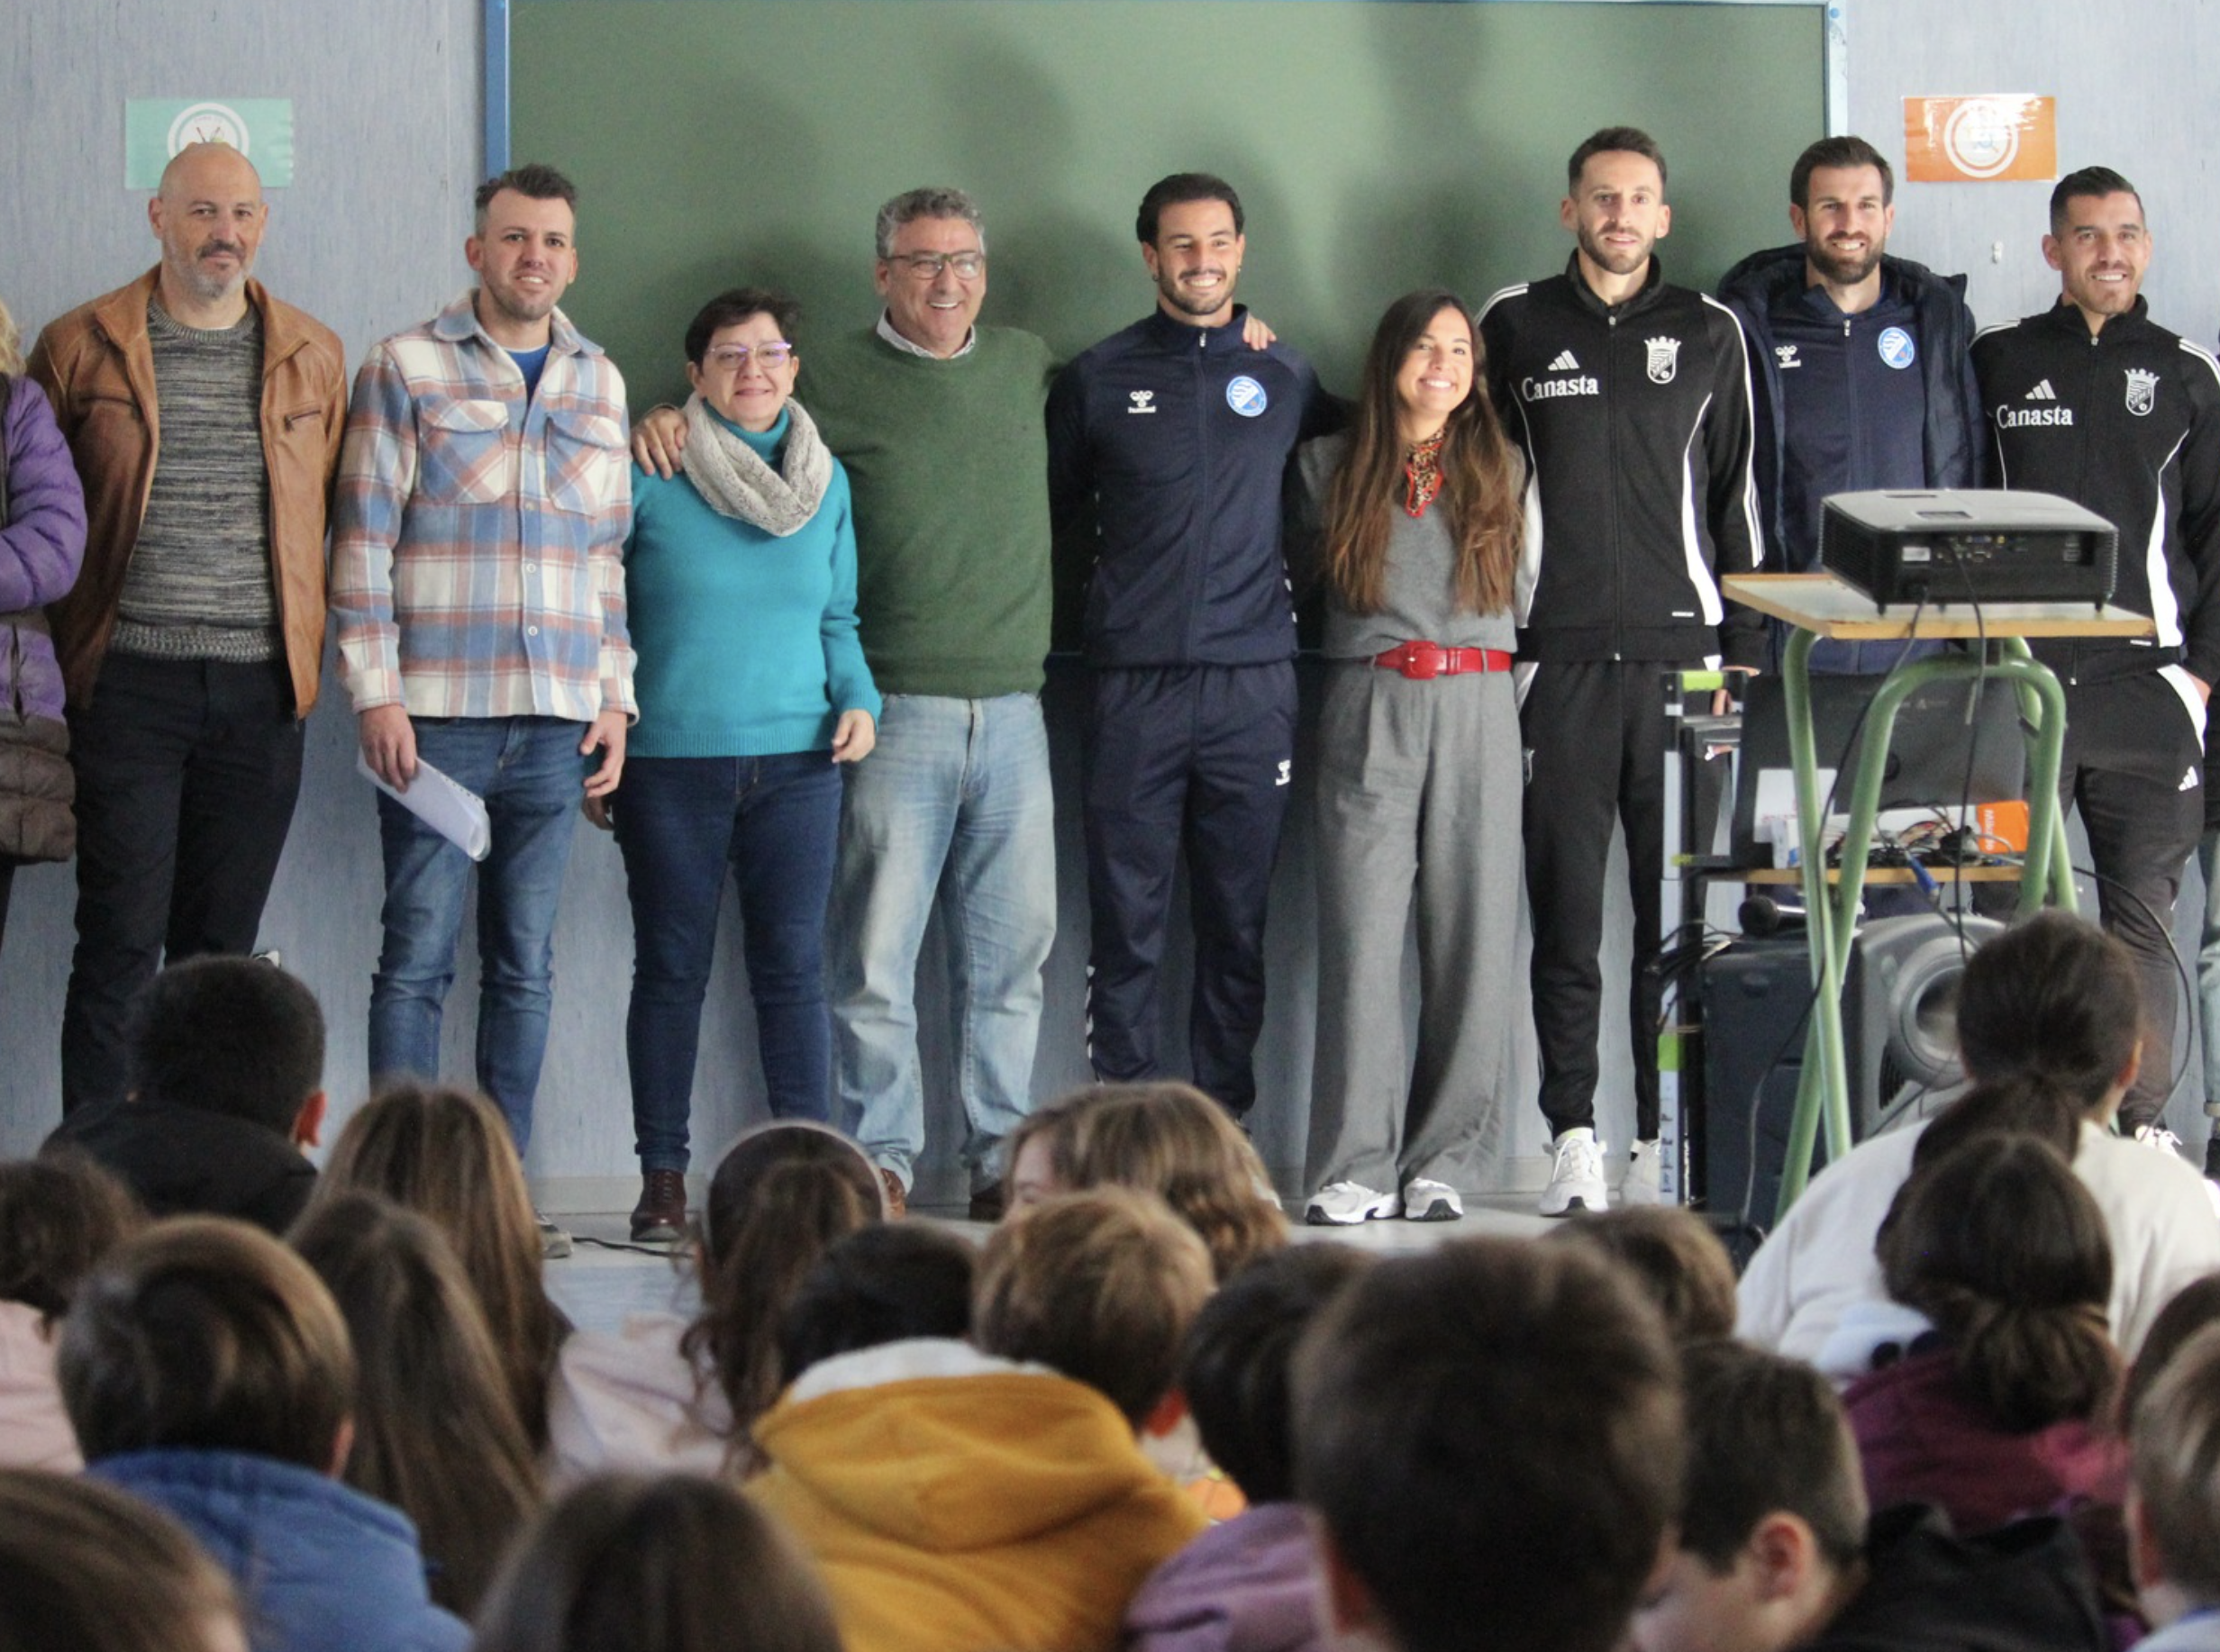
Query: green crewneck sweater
948	465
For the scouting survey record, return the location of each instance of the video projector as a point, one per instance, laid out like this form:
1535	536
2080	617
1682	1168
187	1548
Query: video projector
1964	545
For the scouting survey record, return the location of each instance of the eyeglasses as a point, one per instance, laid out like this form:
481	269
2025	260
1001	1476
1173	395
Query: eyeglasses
735	358
928	266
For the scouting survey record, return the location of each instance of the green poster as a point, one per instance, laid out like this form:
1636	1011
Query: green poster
156	128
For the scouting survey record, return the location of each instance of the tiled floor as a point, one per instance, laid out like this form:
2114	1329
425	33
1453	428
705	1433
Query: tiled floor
604	1278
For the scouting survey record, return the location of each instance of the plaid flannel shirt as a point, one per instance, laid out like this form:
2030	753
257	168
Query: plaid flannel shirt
478	547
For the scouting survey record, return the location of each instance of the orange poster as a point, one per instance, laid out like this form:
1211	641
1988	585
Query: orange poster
1991	139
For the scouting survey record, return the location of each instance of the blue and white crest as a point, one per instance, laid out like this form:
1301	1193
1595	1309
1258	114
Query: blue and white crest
1246	397
1897	348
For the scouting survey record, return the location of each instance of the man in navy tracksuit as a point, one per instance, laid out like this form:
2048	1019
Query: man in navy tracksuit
1179	434
1630	399
2094	400
1859	367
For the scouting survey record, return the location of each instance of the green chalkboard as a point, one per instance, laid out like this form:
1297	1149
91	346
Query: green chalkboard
1377	146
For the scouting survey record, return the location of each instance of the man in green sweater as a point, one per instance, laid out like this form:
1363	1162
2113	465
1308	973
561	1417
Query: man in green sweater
939	423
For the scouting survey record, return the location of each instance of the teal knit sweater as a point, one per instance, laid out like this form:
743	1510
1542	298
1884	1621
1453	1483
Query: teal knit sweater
747	643
949	464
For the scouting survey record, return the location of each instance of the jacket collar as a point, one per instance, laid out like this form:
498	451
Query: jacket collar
121	317
1172	334
1652	288
2065	318
458	323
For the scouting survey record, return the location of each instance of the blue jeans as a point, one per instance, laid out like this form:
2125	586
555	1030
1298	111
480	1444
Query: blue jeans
953	810
680	822
529	771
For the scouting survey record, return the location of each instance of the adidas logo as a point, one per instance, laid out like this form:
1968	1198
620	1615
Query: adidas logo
2041	392
1565	363
2189	780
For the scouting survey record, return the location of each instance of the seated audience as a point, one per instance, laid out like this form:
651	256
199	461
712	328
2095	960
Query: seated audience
678	1563
1773	1549
992	1495
436	1434
1251	1584
93	1570
207	1370
667	1394
225	1086
887	1283
448	1154
1490	1434
1999	1408
1674	1255
1168	1139
2173	1500
2055	997
59	1216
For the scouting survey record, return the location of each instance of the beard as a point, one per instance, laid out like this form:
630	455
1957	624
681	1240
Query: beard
1619	261
1842	269
1188	304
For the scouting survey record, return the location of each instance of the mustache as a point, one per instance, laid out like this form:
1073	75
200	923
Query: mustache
232	247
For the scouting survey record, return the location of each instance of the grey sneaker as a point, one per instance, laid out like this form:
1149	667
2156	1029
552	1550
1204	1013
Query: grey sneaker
1427	1200
1344	1204
1576	1175
1642	1182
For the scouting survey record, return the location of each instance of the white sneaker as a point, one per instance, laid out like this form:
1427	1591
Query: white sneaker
1342	1205
1576	1175
2158	1138
1642	1183
1427	1200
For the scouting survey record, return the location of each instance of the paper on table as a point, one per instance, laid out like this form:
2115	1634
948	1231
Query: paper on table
449	808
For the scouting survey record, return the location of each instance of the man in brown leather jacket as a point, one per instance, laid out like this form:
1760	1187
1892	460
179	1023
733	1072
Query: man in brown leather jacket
205	417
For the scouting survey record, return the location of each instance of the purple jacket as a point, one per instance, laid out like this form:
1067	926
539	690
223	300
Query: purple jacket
41	549
1250	1585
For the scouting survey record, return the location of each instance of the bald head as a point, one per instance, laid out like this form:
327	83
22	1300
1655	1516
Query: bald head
208	215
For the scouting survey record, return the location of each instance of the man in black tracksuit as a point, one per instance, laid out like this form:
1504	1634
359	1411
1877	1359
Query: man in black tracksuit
1632	400
2093	400
1179	434
1859	368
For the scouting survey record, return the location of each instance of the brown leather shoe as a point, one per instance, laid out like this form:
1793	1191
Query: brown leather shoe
898	1198
659	1217
987	1203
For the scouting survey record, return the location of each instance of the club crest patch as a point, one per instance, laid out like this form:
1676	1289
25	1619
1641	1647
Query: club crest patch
1897	347
1246	397
2142	391
1664	359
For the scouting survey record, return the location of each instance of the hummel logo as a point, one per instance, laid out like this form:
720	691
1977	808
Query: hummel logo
1565	363
1287	771
1143	401
2041	392
1786	355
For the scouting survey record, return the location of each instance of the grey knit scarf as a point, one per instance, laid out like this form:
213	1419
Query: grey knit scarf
728	473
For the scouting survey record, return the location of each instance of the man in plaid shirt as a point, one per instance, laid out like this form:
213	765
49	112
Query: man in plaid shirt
477	578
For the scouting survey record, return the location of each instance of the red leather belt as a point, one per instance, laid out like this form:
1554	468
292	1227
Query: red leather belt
1421	660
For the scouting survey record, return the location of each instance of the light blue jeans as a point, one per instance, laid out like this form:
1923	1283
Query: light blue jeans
952	811
529	771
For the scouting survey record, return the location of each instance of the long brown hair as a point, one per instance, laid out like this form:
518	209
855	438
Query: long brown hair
436	1434
447	1154
1480	473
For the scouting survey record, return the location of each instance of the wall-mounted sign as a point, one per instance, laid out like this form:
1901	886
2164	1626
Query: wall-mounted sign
156	128
1991	139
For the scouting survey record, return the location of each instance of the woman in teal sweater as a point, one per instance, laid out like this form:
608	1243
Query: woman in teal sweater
740	587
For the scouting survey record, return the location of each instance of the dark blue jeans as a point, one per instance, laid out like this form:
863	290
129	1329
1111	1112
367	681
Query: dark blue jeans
679	823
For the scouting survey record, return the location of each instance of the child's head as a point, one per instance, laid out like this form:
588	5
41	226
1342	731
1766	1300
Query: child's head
2173	1503
2001	1246
1100	1286
1674	1256
94	1569
2055	995
447	1154
1235	1368
1772	1516
882	1283
1171	1141
782	1193
436	1433
59	1213
629	1564
2193	1308
230	1034
208	1334
1460	1415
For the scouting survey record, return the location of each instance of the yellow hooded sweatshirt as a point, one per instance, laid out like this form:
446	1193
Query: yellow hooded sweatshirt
958	1502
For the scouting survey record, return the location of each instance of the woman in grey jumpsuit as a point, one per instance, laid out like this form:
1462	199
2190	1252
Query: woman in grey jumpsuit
1414	514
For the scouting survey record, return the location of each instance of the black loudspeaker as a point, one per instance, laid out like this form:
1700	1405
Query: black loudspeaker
1901	1014
1753	996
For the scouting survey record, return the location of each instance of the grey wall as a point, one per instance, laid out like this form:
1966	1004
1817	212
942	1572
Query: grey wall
368	237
